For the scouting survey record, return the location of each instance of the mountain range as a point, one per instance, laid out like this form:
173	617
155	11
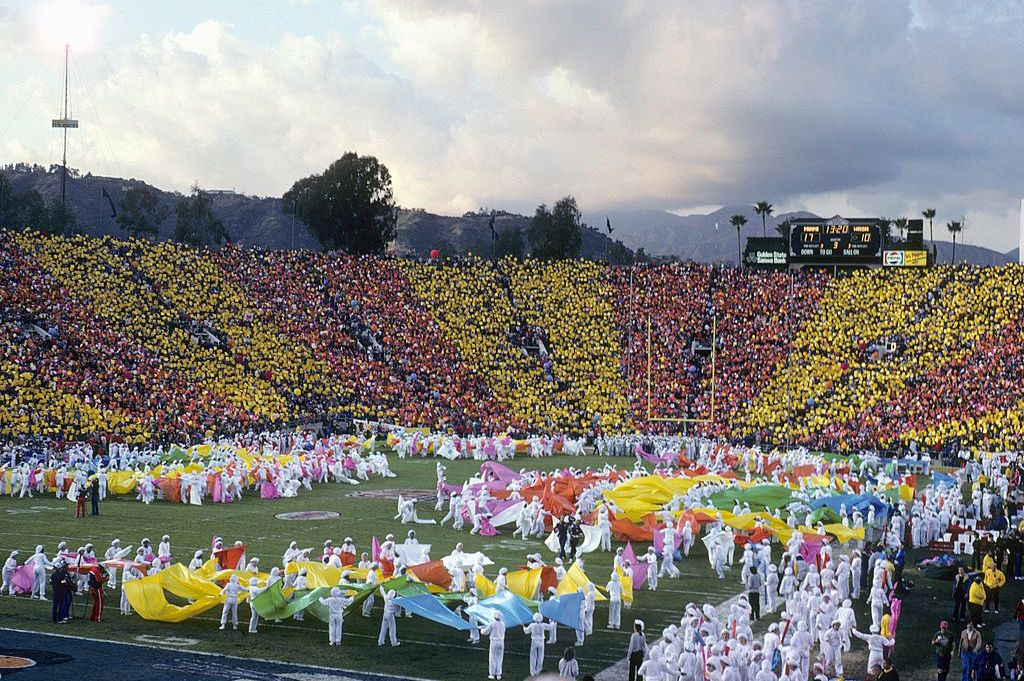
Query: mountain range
260	221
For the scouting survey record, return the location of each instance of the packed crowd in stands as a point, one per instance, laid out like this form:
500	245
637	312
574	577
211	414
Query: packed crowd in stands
571	301
146	343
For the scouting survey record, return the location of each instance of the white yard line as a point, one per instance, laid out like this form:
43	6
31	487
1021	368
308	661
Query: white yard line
333	670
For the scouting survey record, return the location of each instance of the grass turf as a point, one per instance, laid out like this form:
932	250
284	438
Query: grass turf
428	650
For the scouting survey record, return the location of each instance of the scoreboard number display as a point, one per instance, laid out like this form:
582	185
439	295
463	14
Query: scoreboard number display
835	240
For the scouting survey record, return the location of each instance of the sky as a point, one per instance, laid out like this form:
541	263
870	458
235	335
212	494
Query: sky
871	107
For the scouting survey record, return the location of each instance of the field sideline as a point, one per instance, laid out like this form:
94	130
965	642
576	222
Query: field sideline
428	650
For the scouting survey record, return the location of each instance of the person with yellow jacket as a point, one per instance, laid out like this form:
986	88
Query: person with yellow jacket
976	601
994	580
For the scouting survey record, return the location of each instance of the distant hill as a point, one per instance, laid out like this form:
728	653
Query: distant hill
704	238
260	221
696	237
976	255
250	220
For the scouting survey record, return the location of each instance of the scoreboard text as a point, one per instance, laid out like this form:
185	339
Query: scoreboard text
835	242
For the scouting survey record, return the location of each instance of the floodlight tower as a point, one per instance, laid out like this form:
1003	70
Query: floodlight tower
1020	235
65	122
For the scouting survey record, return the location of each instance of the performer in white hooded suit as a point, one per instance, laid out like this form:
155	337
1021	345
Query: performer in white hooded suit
495	631
387	620
231	591
39	564
336	604
536	631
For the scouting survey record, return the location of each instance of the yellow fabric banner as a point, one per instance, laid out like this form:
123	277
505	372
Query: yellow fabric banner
485	588
524	582
574	580
627	587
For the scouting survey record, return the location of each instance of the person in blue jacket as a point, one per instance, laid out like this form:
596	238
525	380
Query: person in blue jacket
988	664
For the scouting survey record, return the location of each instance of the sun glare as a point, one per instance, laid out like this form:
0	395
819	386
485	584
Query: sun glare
63	22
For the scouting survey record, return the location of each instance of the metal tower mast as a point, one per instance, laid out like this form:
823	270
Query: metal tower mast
65	122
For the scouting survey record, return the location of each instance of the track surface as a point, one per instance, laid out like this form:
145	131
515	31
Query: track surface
70	657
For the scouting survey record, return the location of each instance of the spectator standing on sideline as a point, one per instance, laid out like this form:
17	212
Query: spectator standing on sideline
80	502
961	585
943	643
994	580
63	585
898	561
96	581
94	495
568	667
988	664
754	586
976	602
970	644
1018	655
1018	615
888	673
637	650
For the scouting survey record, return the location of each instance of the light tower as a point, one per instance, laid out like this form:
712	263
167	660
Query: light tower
1020	235
65	122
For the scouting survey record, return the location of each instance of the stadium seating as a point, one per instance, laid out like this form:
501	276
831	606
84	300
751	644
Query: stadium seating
143	342
472	308
572	304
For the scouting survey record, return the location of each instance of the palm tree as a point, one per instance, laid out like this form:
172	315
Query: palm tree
764	209
954	229
885	227
738	221
901	225
929	214
783	229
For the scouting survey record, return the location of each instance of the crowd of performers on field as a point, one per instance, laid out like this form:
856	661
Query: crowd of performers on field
828	557
221	472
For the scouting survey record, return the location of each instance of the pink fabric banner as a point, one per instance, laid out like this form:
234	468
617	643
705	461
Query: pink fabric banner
809	549
22	579
499	471
639	569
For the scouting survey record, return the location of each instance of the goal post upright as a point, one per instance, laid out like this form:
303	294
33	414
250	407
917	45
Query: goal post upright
666	419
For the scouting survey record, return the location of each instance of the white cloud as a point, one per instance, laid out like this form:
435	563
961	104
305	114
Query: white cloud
874	107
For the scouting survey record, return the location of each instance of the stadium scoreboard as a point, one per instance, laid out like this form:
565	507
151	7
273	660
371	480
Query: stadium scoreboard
839	240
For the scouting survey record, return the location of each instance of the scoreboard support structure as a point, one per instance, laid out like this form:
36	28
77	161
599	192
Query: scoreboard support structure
667	419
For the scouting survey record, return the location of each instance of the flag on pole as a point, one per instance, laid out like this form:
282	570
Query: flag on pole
105	195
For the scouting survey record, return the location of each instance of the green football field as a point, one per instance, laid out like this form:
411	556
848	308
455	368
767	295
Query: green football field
428	650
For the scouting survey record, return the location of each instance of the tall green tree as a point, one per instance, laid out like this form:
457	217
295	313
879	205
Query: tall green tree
60	219
929	215
955	227
738	221
509	242
30	212
196	224
556	234
6	203
764	209
350	206
619	254
141	213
